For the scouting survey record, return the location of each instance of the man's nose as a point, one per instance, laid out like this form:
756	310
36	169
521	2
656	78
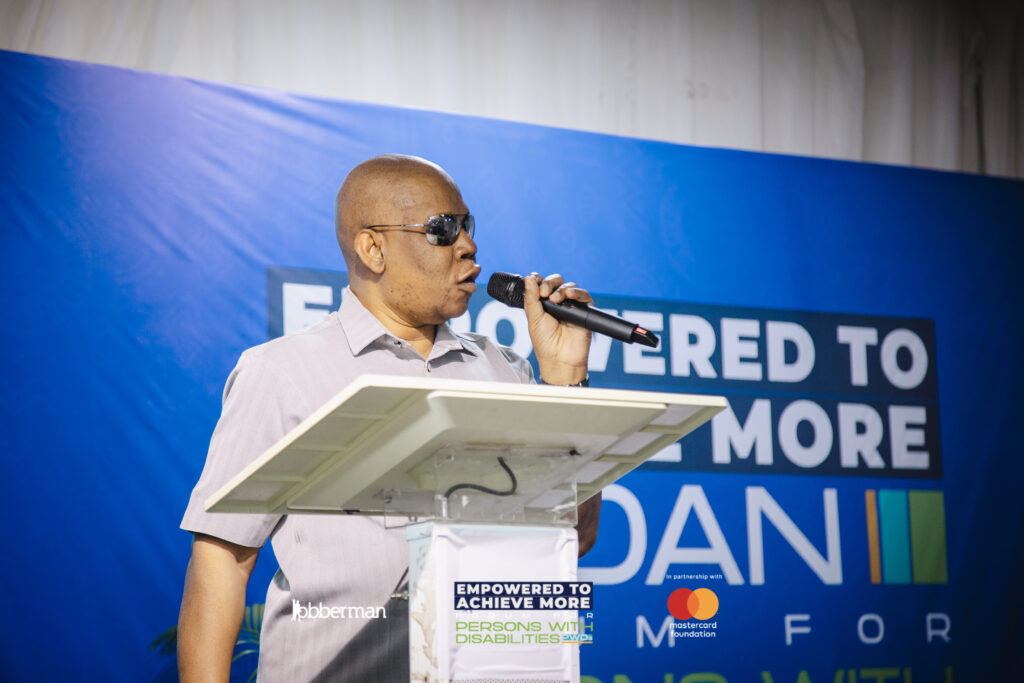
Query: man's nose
465	247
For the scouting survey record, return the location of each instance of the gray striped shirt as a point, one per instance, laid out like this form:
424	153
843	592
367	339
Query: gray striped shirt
333	561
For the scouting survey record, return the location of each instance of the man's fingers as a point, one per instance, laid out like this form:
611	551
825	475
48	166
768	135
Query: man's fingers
579	294
531	294
549	284
554	288
569	290
559	295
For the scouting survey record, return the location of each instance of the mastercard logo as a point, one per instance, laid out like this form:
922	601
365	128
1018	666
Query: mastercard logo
686	604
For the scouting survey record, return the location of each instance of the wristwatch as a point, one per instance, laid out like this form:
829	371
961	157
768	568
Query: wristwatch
584	383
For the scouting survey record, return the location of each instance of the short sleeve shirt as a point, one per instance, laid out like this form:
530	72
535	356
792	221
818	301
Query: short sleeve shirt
327	560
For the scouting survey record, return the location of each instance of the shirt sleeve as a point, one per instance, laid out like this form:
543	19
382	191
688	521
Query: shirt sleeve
260	405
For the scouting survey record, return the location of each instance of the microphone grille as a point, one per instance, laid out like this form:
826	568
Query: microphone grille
506	288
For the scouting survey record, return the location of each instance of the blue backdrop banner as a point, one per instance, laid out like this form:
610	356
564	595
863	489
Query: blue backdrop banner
853	516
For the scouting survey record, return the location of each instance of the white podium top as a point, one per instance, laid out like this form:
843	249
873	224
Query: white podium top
407	445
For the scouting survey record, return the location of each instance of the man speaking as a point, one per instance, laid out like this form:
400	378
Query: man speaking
407	239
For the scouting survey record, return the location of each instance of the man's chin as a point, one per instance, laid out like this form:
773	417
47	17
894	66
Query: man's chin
455	308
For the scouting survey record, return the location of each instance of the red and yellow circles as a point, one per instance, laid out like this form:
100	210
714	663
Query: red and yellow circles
700	604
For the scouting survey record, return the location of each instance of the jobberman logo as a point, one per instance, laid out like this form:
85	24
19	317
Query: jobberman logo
906	536
302	612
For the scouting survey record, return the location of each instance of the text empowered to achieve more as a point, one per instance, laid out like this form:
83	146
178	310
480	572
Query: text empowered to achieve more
523	595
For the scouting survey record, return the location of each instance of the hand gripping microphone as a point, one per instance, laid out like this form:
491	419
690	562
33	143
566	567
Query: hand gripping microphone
508	289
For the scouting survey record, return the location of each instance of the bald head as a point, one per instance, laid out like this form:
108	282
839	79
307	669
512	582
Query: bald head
379	191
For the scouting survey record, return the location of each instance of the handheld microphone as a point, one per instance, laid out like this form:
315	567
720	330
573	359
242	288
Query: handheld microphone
509	289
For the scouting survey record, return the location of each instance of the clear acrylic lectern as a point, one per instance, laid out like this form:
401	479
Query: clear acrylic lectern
487	476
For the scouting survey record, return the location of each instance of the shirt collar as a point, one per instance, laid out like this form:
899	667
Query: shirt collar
445	340
362	328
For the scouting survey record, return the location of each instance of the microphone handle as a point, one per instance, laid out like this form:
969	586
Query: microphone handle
591	318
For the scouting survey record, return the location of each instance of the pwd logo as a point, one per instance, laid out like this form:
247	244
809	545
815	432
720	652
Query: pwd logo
906	536
699	604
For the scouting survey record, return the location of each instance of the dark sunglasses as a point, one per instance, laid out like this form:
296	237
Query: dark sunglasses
441	230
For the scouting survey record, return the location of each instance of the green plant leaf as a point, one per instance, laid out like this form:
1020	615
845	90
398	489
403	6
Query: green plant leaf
249	634
166	642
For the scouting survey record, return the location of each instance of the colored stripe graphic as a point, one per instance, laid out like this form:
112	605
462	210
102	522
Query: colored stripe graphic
928	536
892	508
874	554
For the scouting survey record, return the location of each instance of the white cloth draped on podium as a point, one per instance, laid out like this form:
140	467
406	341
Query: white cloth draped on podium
447	644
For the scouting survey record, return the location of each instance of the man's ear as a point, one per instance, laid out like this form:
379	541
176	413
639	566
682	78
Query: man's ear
368	248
